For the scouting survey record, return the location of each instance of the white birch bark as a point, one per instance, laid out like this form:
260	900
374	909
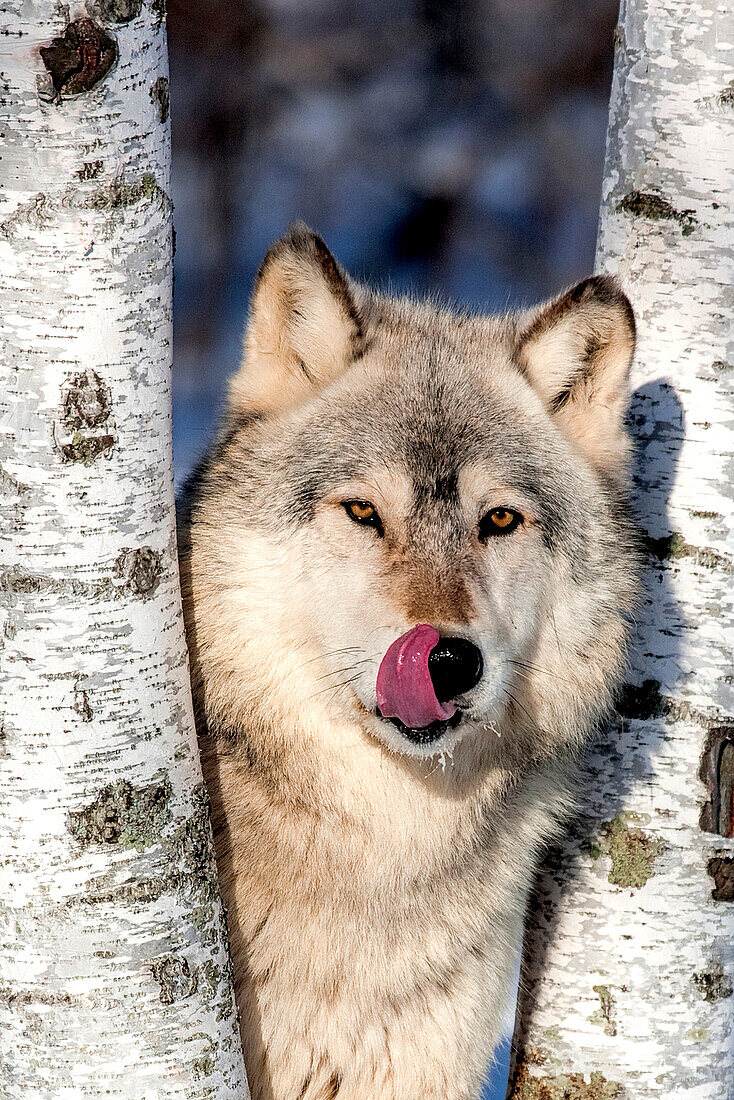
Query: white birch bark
630	945
114	972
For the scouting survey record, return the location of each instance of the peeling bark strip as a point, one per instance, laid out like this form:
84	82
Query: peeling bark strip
629	962
114	971
133	817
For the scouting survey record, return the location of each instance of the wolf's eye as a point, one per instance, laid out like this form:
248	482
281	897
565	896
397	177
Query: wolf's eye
361	511
500	521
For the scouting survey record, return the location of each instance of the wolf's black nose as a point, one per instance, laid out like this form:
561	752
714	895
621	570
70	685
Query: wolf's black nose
455	666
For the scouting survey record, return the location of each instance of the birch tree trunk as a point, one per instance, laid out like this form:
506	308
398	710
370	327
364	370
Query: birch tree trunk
630	946
114	971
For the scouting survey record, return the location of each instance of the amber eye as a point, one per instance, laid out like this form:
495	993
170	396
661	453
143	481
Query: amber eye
361	511
500	521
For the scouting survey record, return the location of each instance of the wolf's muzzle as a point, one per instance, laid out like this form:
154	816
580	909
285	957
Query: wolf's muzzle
455	666
420	678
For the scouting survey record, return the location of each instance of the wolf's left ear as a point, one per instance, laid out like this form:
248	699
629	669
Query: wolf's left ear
304	327
576	352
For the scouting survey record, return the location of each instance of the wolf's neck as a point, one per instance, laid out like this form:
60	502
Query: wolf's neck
353	799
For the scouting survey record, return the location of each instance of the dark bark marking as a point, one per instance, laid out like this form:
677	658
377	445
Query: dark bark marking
726	95
604	1015
86	449
649	204
721	869
118	11
35	212
191	852
86	402
90	170
203	1067
18	582
125	815
175	977
713	984
81	704
186	868
140	570
13	998
160	93
79	58
717	773
641	702
644	701
85	430
675	546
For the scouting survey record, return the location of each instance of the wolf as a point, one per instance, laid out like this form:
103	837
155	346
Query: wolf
409	571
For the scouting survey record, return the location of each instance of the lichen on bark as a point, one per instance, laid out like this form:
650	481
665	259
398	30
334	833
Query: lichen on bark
604	1014
632	853
566	1086
124	814
121	192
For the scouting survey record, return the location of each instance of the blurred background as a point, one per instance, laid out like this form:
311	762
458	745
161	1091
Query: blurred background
449	146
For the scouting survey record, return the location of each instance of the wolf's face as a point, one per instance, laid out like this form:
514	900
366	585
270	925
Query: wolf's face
414	521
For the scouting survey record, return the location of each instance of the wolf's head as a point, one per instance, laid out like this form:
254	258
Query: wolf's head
414	524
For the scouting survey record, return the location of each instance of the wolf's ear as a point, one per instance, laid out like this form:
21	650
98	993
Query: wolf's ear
576	352
304	327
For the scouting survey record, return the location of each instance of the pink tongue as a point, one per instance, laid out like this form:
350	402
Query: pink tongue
404	685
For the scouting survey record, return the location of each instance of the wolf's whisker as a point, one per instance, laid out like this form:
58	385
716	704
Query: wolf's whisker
518	703
331	653
555	631
537	668
348	668
336	687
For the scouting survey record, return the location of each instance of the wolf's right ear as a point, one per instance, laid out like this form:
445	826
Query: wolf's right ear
304	327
